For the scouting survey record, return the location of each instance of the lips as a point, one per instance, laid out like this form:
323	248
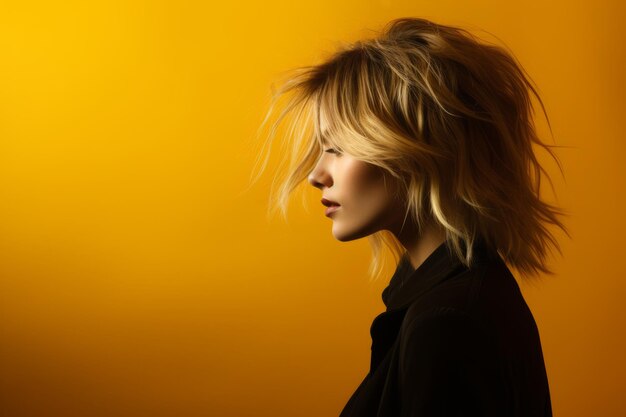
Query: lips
329	203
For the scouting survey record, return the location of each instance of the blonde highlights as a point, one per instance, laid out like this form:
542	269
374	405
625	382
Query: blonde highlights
448	116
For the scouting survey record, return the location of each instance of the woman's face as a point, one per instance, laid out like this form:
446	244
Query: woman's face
366	205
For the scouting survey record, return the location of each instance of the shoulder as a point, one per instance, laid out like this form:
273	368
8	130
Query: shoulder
486	297
478	306
443	331
449	300
480	314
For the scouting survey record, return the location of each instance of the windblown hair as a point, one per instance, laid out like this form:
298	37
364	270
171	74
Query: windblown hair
447	115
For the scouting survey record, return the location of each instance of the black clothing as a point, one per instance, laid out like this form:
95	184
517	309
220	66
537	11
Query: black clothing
454	341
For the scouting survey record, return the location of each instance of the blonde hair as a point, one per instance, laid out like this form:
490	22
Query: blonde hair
448	116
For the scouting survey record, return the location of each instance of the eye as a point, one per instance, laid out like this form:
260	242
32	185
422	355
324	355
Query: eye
332	150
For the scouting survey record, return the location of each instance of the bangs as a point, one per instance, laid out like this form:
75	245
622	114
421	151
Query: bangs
334	124
328	127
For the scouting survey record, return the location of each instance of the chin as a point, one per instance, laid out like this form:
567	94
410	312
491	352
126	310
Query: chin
342	238
348	235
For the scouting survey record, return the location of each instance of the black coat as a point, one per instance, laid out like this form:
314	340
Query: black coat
454	341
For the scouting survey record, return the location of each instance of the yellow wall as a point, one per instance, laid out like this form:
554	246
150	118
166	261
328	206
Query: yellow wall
135	277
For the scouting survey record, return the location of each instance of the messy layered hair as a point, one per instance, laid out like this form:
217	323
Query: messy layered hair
447	115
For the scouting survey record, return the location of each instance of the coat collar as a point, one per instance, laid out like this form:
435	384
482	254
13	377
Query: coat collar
408	284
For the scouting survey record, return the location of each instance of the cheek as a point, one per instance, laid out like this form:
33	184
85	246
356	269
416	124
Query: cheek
366	187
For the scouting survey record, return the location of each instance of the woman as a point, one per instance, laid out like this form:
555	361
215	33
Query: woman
422	140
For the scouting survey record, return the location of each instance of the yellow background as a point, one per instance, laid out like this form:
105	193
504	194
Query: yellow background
137	279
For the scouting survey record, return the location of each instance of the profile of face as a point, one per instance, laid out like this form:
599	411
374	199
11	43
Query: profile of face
366	198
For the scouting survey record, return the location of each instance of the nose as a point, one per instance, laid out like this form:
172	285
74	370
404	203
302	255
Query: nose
319	176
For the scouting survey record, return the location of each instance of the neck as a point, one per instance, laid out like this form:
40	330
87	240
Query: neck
420	244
